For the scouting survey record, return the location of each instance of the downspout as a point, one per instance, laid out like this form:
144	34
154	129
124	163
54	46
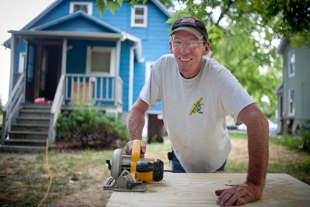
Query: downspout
117	76
118	57
131	76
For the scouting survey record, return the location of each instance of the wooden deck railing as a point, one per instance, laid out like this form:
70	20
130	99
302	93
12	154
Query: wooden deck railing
11	108
87	88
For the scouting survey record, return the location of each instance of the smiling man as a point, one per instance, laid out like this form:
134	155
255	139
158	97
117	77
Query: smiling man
197	93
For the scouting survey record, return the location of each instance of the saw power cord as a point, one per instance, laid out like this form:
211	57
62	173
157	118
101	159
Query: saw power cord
51	177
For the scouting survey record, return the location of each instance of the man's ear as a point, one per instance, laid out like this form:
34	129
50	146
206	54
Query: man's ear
207	48
170	47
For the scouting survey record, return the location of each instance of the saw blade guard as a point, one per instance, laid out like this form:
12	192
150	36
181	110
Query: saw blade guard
116	163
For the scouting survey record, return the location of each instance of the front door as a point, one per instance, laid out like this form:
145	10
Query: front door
47	60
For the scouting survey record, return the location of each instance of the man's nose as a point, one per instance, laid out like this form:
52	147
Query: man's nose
185	48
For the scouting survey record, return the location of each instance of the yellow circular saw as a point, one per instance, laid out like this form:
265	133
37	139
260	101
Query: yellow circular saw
130	172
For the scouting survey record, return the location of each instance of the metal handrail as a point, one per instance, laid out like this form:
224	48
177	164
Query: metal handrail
12	106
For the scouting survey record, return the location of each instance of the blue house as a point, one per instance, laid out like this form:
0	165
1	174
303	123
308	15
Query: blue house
69	53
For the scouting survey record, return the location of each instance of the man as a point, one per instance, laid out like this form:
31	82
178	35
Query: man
197	93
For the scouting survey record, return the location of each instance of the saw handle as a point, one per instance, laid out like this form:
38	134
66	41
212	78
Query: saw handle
136	151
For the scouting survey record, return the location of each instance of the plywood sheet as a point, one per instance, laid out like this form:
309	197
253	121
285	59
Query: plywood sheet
189	189
82	92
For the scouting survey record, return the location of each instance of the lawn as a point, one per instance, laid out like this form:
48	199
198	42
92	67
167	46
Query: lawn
78	177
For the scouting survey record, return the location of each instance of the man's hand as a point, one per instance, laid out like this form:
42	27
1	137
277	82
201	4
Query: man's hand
128	148
239	194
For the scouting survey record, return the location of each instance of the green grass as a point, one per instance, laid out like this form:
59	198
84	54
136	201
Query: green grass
24	182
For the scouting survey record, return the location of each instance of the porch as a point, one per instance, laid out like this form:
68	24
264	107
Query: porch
104	91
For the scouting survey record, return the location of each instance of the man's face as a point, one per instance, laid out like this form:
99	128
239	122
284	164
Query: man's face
188	60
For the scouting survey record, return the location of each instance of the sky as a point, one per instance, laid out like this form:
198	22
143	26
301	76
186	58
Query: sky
14	15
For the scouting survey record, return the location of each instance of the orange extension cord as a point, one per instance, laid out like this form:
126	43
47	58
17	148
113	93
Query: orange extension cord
51	177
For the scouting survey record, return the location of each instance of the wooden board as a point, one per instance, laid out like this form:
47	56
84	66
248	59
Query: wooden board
198	189
83	93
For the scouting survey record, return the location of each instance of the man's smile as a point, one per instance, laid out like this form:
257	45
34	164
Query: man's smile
185	60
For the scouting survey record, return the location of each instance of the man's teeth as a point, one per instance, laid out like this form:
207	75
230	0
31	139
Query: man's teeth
185	60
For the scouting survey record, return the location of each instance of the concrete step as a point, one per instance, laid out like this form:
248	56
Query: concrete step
32	120
34	113
28	135
36	106
30	127
26	149
25	142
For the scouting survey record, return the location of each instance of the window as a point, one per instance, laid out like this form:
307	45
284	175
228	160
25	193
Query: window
86	7
291	63
100	60
139	16
291	102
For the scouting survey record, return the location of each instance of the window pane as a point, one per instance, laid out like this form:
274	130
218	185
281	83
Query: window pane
139	11
79	7
100	62
139	21
292	62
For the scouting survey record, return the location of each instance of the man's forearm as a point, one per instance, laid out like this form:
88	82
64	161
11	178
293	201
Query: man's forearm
258	146
135	124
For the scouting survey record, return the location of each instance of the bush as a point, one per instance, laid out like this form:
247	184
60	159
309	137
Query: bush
304	133
91	127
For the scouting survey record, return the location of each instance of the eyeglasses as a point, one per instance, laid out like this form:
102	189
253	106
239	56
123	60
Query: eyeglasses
190	45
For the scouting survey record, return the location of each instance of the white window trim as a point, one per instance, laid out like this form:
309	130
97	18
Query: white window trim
21	64
291	101
289	64
90	49
133	24
148	68
89	4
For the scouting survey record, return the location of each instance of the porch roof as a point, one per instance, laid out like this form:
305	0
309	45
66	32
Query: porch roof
61	34
29	34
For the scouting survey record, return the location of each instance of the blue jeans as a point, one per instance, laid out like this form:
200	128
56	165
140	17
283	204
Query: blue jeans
177	167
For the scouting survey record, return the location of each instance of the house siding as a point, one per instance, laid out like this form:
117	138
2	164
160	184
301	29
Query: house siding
79	24
124	72
76	58
154	40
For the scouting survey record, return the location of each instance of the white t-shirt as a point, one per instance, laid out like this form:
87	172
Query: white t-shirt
195	110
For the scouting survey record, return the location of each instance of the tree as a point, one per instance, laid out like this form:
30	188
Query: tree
112	5
241	33
291	18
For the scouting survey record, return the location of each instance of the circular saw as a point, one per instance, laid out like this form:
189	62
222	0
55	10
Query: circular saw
130	172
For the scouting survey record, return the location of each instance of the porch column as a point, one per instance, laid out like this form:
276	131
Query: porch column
64	56
12	68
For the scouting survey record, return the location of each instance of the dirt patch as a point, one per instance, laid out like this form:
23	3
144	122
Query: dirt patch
92	196
239	152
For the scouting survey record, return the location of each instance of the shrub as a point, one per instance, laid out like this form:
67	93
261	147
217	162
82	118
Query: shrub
91	127
304	133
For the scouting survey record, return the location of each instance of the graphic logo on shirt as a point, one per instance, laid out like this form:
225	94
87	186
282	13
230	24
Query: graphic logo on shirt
197	107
